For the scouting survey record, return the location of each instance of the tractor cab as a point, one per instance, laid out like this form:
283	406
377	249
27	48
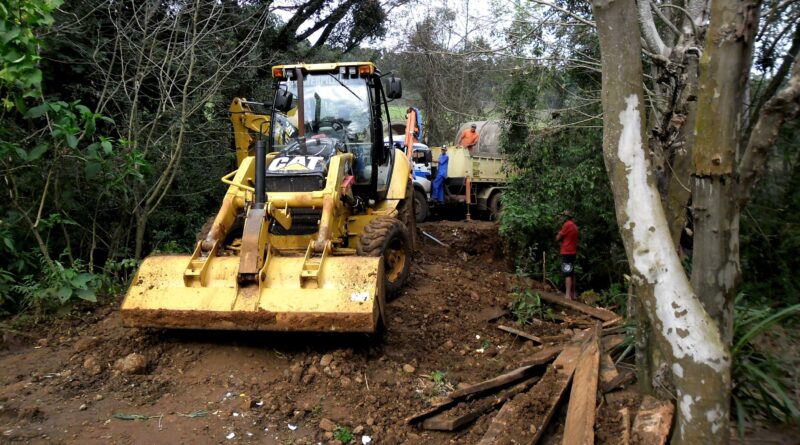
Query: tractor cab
323	109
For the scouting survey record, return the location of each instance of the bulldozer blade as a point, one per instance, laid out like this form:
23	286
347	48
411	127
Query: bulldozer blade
346	296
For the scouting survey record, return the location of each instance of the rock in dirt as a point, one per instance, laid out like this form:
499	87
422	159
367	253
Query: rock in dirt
133	363
15	340
30	412
92	366
408	368
326	360
85	343
327	425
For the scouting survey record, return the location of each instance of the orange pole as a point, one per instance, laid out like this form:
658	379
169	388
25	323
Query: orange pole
469	196
411	125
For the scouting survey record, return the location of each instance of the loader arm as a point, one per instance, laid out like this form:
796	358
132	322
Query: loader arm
246	124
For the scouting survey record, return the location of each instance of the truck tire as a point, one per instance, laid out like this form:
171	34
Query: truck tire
495	206
420	205
405	208
388	237
406	213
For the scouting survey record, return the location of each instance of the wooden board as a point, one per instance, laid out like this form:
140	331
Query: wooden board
495	382
625	419
612	341
432	411
608	371
625	377
519	333
507	424
521	373
443	422
596	312
544	355
579	426
653	421
613	322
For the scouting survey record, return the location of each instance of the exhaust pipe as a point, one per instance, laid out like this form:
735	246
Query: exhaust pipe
301	112
261	170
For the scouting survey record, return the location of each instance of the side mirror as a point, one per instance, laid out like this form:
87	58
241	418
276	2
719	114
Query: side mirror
283	100
394	88
428	157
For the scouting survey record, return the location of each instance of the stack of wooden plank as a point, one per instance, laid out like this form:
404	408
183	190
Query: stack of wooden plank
528	397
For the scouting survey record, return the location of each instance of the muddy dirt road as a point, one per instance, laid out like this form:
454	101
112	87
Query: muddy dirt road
89	380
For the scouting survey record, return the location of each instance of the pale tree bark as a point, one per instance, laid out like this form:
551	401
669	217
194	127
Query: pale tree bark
687	336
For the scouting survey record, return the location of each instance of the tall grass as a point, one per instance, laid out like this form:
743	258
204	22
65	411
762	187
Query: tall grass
762	386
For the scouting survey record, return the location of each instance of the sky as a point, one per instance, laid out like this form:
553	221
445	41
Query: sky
477	16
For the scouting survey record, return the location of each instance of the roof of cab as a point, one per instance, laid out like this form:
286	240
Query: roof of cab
311	67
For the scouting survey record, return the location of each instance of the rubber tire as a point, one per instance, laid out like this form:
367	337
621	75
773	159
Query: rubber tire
407	215
495	206
382	234
405	208
420	206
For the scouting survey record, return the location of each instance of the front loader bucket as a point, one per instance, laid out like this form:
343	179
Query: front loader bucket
346	296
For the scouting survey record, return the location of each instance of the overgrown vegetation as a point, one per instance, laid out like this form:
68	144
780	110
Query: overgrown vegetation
107	155
527	305
558	167
763	386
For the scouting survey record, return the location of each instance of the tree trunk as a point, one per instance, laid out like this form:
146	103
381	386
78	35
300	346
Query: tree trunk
724	71
141	226
688	338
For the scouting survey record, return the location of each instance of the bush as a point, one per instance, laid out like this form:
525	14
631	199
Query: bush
58	285
527	305
760	379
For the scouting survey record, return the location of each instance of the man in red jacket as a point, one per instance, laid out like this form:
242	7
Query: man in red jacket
569	249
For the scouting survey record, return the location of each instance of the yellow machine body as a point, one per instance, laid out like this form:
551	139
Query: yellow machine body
263	280
348	298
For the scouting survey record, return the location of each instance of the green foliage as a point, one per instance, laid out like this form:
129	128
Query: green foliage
56	163
616	295
20	76
761	383
557	164
438	376
57	286
343	434
527	305
770	225
170	246
79	153
440	384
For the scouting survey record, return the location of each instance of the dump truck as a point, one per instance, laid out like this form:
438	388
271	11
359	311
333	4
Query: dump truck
483	168
317	224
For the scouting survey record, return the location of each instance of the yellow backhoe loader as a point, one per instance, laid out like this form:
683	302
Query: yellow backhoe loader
317	224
